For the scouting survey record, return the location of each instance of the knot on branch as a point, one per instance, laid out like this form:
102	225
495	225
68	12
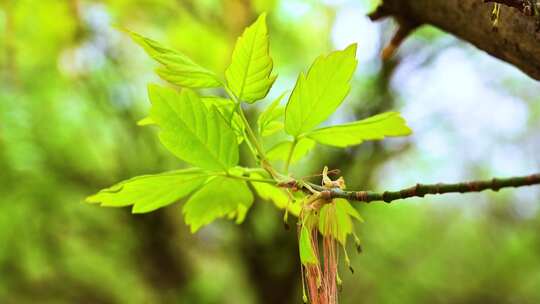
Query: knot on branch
495	184
527	7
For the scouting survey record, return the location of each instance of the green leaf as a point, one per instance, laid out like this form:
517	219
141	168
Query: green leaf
372	128
281	150
226	108
219	102
150	192
248	75
272	127
220	197
276	195
335	220
145	122
177	68
195	134
307	253
345	205
318	94
271	120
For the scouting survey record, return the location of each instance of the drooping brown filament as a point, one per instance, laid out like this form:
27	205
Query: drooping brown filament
322	281
313	275
330	269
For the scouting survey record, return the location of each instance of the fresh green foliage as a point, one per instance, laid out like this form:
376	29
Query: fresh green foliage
198	135
271	119
335	219
318	93
249	75
206	131
307	252
282	150
375	127
278	196
226	108
149	192
145	122
177	68
72	90
222	196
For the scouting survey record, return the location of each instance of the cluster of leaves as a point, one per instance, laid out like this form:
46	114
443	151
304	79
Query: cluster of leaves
206	132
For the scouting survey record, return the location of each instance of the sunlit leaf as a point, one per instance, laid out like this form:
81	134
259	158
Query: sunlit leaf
226	108
335	220
372	128
218	198
318	93
195	134
281	150
307	252
345	205
150	192
145	122
177	68
271	119
217	101
276	195
249	74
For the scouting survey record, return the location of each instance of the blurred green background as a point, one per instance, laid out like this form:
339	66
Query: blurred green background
72	88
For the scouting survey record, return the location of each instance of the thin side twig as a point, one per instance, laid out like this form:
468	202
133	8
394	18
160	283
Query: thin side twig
519	4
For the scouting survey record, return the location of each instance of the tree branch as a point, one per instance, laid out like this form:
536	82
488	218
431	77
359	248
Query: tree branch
519	4
516	41
420	190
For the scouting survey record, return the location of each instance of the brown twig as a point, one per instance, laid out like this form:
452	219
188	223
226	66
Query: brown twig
405	28
521	5
420	190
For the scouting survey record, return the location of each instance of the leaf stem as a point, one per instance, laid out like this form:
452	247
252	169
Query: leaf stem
251	134
254	170
250	145
250	179
252	138
289	157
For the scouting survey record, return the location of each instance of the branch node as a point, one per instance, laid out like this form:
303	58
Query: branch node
379	13
405	28
438	188
495	184
473	186
533	178
386	197
326	195
418	190
362	196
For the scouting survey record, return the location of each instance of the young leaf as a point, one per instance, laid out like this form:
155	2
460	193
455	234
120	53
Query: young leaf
281	150
248	75
217	101
226	108
277	195
307	252
346	206
271	120
318	94
177	68
218	198
195	134
335	220
147	121
150	192
375	127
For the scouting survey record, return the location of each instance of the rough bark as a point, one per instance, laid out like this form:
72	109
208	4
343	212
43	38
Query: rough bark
515	41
